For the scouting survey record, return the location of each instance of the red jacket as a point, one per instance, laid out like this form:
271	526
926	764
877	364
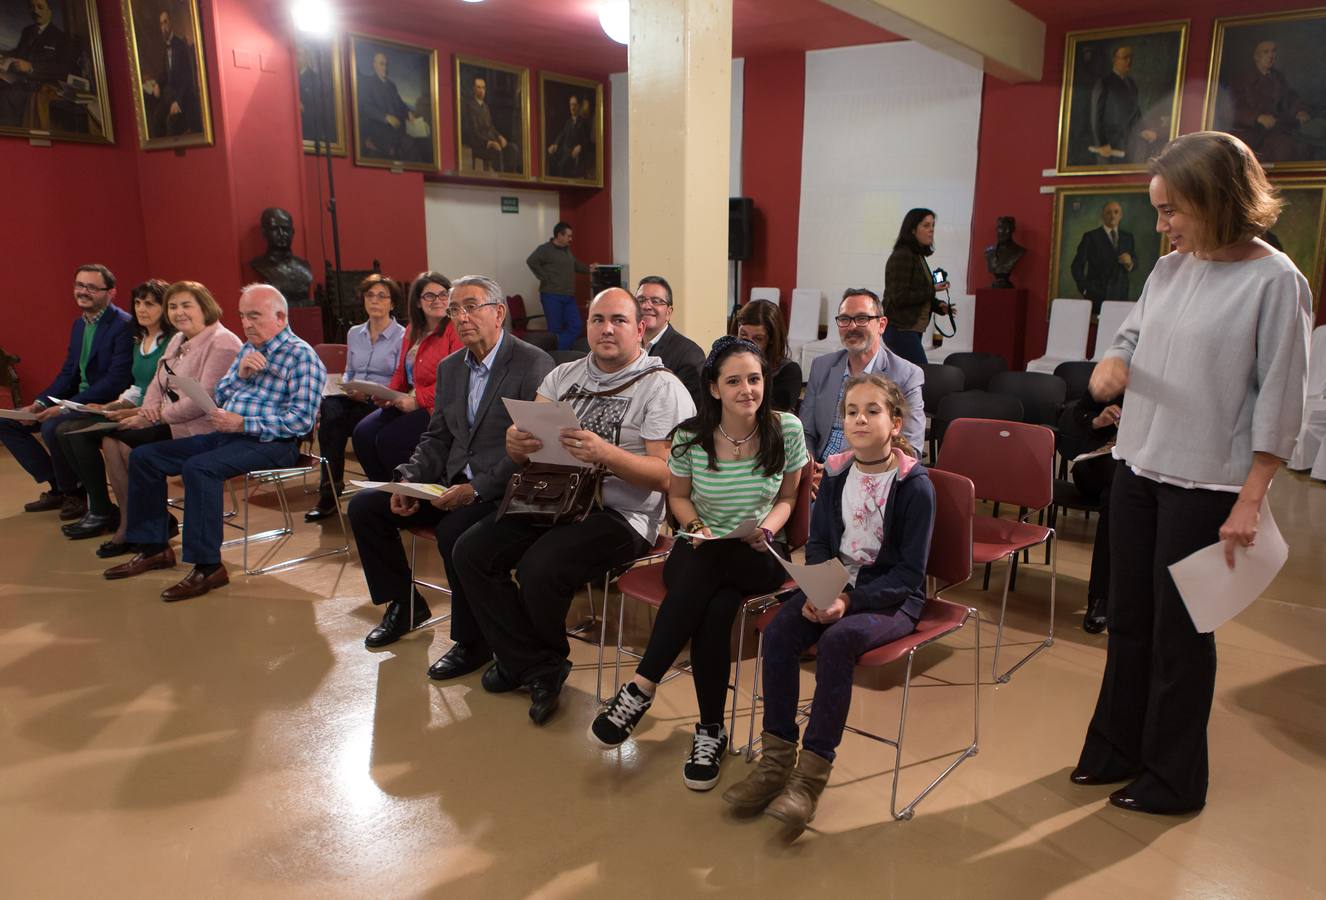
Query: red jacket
434	349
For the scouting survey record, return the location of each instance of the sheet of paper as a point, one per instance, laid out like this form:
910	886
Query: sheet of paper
97	426
192	389
743	530
69	404
821	583
17	415
372	388
1092	454
545	421
1213	593
333	385
418	491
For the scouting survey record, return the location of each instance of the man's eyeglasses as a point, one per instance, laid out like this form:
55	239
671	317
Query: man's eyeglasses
82	287
654	301
469	309
859	320
432	296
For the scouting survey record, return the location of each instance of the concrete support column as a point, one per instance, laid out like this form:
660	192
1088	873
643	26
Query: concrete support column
679	74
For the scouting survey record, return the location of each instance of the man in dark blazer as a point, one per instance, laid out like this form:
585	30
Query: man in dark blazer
860	328
382	112
44	54
1117	127
1104	258
464	449
178	110
95	371
679	353
479	133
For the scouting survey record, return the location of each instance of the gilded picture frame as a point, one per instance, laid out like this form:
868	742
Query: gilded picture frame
320	71
1267	86
168	70
53	89
1301	229
492	102
393	97
1121	98
1084	262
570	143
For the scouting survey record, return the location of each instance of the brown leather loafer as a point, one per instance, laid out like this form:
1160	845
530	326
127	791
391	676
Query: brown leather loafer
195	584
142	562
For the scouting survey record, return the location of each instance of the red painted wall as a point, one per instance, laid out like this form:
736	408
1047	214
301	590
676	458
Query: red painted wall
773	116
1019	135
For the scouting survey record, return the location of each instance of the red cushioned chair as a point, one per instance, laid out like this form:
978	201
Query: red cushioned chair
646	585
515	305
949	565
333	356
1008	462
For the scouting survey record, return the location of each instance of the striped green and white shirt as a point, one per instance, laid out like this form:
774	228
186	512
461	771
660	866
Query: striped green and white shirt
739	489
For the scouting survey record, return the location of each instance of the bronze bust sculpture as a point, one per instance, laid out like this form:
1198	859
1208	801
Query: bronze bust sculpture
278	266
1003	255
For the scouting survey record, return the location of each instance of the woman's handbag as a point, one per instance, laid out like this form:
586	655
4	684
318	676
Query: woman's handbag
548	494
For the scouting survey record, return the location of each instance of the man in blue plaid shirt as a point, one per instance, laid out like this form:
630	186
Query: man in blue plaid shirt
266	402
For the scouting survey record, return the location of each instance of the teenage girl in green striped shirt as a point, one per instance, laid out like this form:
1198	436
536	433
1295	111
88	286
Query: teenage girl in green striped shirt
737	459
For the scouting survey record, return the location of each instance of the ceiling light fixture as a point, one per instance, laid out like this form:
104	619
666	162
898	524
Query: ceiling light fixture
313	17
615	18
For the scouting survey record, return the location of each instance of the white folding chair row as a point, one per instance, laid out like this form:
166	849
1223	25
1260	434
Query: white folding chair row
1070	320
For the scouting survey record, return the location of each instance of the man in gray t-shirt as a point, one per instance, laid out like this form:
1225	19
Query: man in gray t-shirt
628	403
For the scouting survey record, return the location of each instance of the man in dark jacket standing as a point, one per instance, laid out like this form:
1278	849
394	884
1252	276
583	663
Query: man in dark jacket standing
97	368
555	267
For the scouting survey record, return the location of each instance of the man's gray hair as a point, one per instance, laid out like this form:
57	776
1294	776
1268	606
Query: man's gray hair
862	292
277	299
492	291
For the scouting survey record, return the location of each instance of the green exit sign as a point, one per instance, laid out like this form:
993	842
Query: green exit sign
510	204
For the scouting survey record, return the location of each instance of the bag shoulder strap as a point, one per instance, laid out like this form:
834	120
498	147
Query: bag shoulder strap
619	388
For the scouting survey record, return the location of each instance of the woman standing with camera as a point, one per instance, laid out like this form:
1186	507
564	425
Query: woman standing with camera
1214	359
910	288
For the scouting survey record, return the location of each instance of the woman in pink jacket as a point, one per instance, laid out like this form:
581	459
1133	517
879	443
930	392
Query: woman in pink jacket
202	349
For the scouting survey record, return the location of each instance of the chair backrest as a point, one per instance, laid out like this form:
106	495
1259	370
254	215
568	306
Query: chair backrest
977	368
544	340
804	322
1070	320
940	381
1076	374
515	308
1112	314
766	293
566	356
951	544
974	405
332	356
798	524
1008	462
1042	394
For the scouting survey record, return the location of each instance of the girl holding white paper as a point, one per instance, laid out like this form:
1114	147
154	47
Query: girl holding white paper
736	459
875	513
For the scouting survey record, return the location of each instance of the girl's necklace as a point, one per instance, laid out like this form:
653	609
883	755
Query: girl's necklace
871	462
737	442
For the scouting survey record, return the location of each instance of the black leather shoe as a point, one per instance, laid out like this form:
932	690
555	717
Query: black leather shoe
1094	620
1123	799
91	526
461	659
495	681
73	508
320	512
545	694
114	548
1085	777
173	529
395	623
47	501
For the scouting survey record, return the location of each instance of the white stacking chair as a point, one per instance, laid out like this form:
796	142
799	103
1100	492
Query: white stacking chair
766	293
803	327
960	342
1310	451
1112	314
1070	320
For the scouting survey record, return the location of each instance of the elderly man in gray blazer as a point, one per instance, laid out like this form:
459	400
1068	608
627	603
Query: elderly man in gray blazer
860	328
464	449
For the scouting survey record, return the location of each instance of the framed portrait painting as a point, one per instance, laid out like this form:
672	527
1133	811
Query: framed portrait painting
393	92
321	76
168	69
1121	95
492	119
571	129
1105	242
1268	86
53	72
1301	229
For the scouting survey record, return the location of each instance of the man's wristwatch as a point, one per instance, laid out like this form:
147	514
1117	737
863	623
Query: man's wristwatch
477	498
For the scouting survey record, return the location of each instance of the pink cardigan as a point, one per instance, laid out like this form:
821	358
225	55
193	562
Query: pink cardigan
206	357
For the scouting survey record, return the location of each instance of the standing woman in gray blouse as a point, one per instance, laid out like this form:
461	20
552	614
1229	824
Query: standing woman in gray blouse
1214	359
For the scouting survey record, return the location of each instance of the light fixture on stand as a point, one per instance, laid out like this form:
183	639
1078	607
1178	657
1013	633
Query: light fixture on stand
615	19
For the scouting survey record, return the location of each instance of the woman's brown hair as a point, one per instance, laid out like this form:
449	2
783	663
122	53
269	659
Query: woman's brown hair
1222	183
766	315
397	295
211	309
893	398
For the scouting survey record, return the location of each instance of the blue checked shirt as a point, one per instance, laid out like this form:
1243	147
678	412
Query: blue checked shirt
479	374
280	402
837	441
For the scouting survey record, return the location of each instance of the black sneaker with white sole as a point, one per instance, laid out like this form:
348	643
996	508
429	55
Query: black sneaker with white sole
701	770
618	719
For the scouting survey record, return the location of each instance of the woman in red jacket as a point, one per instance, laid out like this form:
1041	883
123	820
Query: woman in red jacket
387	437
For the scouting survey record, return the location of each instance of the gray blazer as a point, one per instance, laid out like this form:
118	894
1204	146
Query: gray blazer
819	408
449	444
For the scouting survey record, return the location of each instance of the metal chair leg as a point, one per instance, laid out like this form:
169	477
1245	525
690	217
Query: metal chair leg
1003	609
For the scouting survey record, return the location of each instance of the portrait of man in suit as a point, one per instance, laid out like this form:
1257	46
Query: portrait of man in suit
174	91
1105	256
565	154
169	73
318	67
1117	127
1268	113
52	81
571	124
395	104
478	132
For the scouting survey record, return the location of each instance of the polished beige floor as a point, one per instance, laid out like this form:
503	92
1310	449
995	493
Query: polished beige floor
246	744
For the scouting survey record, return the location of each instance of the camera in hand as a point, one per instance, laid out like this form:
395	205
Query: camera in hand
940	276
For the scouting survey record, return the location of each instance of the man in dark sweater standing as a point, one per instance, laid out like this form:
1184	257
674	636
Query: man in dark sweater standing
555	267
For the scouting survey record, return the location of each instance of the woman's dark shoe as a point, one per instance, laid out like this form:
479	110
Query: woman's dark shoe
1094	620
114	548
92	525
1133	800
1085	777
